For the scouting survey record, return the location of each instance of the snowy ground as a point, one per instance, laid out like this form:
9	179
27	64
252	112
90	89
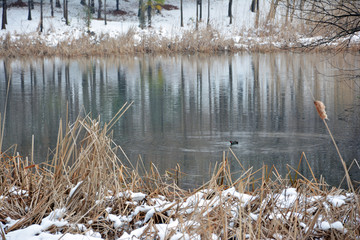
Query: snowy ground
165	24
200	202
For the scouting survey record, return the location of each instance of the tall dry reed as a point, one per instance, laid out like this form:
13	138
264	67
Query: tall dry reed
88	174
267	37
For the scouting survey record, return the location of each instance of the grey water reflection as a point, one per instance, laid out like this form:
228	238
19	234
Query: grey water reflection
187	108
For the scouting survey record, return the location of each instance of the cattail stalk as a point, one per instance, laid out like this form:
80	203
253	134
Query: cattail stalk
320	107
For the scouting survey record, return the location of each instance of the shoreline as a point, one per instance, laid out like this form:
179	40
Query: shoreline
122	34
27	45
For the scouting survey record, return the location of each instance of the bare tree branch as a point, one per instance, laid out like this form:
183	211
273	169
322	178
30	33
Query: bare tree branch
334	20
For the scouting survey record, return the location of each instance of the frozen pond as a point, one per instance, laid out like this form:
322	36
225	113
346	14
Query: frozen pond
187	108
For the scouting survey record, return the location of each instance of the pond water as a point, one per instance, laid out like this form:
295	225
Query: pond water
187	108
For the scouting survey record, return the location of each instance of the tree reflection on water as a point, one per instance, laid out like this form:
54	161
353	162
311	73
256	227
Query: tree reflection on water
187	108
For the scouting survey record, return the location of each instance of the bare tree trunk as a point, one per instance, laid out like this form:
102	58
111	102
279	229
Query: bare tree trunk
302	3
92	4
208	18
200	5
287	11
141	15
66	12
41	15
149	15
255	8
272	11
256	2
29	12
197	15
230	11
105	12
64	9
99	9
88	16
52	7
6	22
292	12
181	14
117	5
229	8
3	22
57	4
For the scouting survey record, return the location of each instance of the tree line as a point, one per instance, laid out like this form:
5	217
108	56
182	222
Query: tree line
333	19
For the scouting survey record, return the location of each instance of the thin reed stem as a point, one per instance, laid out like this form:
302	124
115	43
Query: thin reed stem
350	185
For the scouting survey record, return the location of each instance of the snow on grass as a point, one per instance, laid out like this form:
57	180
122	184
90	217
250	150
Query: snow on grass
36	231
337	201
163	25
241	35
204	201
16	191
72	191
136	209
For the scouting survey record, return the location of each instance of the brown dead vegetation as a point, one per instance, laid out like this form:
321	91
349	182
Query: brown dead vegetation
204	40
86	157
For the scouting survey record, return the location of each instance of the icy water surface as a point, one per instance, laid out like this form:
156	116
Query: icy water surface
187	108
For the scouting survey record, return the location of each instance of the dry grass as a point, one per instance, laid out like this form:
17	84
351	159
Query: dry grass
204	41
267	38
249	206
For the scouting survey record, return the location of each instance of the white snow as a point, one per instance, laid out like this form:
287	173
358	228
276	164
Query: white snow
16	191
325	225
72	191
38	232
166	24
138	196
336	201
338	226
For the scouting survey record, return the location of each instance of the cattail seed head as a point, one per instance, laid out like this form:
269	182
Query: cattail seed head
320	107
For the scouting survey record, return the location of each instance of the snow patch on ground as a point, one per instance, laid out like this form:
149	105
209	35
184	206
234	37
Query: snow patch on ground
203	201
164	25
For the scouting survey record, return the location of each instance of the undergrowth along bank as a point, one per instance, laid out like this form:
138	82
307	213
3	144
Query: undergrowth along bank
90	188
204	40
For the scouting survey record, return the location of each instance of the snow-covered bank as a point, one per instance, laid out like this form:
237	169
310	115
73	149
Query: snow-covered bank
22	37
167	23
88	193
197	215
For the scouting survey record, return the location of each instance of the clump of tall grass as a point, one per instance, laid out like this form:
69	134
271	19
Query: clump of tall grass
91	181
